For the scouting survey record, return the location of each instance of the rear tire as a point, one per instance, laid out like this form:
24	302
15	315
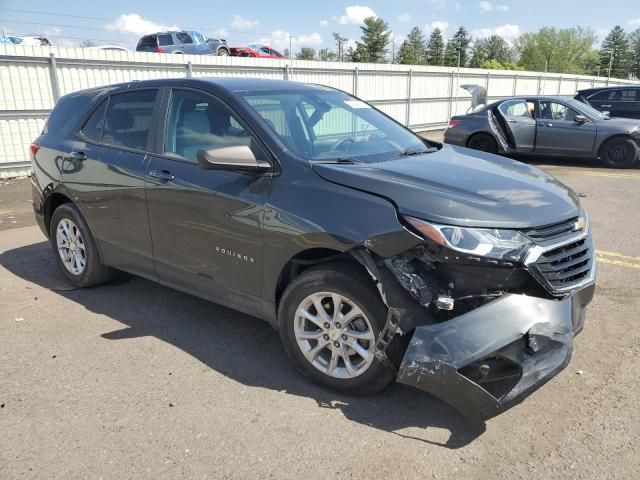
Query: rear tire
619	153
483	142
75	248
326	285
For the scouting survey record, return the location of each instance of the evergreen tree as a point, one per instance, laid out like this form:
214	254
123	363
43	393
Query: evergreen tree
496	48
478	54
374	41
616	44
459	42
435	48
413	50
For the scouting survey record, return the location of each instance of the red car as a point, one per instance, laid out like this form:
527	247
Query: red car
259	51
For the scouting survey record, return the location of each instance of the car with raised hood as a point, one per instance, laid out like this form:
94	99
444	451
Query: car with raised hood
376	254
183	43
545	126
618	101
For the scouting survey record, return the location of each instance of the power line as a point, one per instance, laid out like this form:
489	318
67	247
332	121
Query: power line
40	12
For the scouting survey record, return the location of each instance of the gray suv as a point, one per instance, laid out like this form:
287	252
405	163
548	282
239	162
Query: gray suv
190	43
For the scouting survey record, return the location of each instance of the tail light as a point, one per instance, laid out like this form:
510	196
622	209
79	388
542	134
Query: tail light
33	149
159	50
453	123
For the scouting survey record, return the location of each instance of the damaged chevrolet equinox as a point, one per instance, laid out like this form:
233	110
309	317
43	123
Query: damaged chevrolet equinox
377	255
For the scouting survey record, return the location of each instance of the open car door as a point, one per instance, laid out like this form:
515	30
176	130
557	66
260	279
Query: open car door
516	118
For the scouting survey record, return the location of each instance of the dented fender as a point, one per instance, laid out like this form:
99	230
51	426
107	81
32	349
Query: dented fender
533	335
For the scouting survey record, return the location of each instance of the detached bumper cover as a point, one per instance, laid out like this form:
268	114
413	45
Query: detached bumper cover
533	333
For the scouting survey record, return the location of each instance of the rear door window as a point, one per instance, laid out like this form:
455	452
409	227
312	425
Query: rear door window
165	39
128	119
515	108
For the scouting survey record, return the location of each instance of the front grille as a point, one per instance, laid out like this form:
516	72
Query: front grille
548	233
567	265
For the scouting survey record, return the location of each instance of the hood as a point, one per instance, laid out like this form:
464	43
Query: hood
457	186
629	125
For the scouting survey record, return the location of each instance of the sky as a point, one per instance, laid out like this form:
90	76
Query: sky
307	23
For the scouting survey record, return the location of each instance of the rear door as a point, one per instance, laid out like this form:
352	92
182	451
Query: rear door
106	175
627	104
206	225
559	134
185	43
520	123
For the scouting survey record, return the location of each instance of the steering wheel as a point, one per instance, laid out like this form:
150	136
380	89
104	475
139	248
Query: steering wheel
343	142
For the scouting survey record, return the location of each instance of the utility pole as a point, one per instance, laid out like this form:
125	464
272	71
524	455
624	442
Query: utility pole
290	51
459	51
610	65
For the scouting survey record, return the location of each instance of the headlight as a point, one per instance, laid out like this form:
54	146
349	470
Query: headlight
498	244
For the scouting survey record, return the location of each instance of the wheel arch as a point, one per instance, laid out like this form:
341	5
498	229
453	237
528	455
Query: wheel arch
305	259
51	203
616	136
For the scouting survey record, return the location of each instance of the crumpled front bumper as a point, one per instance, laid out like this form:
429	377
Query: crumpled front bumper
533	335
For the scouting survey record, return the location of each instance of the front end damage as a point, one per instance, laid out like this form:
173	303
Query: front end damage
481	335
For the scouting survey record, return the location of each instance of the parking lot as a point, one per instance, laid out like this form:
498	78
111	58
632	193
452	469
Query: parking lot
134	380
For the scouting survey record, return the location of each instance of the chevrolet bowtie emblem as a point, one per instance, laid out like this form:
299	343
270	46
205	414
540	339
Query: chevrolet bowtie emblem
579	225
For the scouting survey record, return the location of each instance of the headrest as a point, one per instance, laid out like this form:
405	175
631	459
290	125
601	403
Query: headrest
119	120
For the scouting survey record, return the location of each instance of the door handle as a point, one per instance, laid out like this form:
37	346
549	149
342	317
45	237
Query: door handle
78	156
606	106
162	175
545	124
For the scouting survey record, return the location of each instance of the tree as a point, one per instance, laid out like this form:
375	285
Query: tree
413	50
340	41
634	44
374	41
556	50
306	53
435	48
615	51
326	55
459	43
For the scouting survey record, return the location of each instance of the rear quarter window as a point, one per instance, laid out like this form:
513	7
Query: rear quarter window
67	108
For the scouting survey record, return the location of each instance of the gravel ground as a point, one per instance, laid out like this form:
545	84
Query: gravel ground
134	380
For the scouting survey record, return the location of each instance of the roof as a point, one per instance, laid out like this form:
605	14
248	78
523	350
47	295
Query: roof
611	87
237	84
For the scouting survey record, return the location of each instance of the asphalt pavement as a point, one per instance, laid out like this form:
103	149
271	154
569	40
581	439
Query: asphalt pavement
134	380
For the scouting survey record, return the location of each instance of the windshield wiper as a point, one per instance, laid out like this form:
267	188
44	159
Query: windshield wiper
344	161
417	151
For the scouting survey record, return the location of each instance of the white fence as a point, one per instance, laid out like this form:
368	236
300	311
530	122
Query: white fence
421	97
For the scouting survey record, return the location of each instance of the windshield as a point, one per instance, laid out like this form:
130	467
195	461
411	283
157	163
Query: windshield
331	125
588	109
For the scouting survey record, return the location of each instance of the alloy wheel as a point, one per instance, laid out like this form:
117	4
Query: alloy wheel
334	335
71	246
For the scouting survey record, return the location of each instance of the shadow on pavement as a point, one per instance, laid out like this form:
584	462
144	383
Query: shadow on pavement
241	347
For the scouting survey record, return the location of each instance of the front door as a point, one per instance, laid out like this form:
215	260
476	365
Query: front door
206	224
105	172
520	122
559	133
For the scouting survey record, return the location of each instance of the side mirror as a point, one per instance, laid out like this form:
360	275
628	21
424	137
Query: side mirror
580	119
233	157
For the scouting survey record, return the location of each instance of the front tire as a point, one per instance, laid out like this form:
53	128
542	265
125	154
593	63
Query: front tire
619	153
335	347
75	248
483	142
223	52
